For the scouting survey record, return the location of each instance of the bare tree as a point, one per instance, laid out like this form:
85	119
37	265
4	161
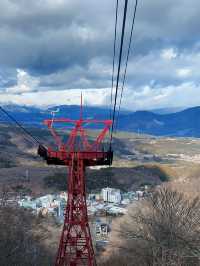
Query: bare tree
4	195
162	230
21	239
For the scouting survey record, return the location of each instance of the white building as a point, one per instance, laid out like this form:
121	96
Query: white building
117	210
46	200
111	195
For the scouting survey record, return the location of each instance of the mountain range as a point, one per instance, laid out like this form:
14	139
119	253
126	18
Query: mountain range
185	123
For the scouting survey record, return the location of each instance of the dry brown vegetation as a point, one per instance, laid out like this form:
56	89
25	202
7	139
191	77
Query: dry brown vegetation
23	239
162	230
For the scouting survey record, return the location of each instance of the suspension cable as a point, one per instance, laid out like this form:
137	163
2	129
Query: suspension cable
127	58
118	71
20	126
114	52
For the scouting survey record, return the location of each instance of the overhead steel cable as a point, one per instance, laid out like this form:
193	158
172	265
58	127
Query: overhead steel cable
127	58
20	126
113	73
119	68
114	52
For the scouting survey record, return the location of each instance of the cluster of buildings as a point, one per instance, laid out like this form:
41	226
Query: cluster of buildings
109	202
53	204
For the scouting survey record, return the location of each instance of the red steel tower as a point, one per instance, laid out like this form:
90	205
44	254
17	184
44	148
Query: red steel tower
76	153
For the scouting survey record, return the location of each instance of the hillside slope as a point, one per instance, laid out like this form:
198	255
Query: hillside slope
184	123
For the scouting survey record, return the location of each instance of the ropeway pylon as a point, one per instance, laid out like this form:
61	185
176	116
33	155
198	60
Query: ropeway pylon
77	153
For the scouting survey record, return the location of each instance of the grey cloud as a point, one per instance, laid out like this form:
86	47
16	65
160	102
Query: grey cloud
68	44
45	35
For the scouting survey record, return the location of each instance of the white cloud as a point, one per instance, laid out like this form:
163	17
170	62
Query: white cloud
96	97
70	46
184	72
168	54
169	96
152	82
25	83
146	97
29	92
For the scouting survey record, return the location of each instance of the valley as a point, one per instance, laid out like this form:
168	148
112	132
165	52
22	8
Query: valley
139	159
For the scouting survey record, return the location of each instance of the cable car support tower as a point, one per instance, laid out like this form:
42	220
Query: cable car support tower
76	153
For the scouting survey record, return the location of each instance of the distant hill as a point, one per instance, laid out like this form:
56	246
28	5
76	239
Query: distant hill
184	123
163	111
35	116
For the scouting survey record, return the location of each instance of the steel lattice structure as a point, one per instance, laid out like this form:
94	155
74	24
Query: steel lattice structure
76	153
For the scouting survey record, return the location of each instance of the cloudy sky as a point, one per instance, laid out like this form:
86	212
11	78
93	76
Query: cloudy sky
51	50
